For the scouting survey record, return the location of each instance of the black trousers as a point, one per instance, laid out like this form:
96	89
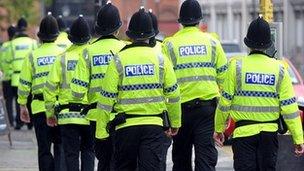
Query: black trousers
166	145
139	147
45	137
256	153
197	130
78	139
104	153
8	96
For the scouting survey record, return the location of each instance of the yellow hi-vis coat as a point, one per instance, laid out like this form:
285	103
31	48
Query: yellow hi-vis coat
258	88
141	81
35	70
6	57
22	47
92	67
199	63
58	84
63	41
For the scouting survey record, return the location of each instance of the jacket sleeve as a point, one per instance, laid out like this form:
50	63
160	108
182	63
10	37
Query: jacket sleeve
51	89
172	94
289	109
227	93
81	77
25	81
220	63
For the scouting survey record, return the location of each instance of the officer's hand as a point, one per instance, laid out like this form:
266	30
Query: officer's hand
174	131
299	150
24	114
219	139
51	121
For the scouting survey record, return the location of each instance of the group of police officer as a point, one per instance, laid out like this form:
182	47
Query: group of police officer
136	97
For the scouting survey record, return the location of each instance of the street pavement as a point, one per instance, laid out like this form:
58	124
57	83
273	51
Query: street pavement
22	156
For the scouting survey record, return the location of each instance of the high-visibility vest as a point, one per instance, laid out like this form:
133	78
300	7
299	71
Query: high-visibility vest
34	72
22	47
6	57
58	84
258	88
141	81
199	63
63	41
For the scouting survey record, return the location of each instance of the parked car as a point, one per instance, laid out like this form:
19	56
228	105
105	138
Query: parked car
298	86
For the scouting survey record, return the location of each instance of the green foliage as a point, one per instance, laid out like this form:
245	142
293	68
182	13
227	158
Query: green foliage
17	8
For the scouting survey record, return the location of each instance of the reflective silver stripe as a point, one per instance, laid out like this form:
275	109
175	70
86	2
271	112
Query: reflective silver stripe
196	78
224	108
141	100
173	100
281	75
85	55
95	90
262	109
50	86
118	67
213	51
49	106
291	115
161	68
31	58
238	75
77	95
37	87
23	93
63	72
107	108
172	54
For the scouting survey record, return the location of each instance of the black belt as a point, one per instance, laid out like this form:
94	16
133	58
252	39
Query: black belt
128	116
199	103
73	107
17	72
249	122
86	109
38	97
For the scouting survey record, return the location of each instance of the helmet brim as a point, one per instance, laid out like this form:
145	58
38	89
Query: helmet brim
249	43
77	40
49	37
189	21
137	36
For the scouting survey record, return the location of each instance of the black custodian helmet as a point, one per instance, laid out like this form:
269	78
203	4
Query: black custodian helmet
22	24
79	31
154	21
61	23
108	20
190	13
258	35
140	26
48	30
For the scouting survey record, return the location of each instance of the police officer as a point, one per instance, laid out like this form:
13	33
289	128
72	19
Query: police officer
6	57
255	96
200	64
76	133
33	76
89	74
158	47
138	81
62	39
22	45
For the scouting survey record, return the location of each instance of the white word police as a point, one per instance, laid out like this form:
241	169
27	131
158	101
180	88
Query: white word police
139	70
192	50
46	60
258	78
101	59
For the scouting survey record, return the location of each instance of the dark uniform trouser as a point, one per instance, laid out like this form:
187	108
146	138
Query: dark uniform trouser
197	129
256	153
75	139
166	145
139	147
45	137
8	96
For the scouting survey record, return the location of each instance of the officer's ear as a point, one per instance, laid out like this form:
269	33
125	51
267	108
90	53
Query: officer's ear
116	33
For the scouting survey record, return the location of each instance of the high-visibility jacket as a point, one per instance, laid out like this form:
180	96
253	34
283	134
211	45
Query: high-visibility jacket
58	84
141	81
21	46
199	63
91	69
35	70
63	41
258	88
6	57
